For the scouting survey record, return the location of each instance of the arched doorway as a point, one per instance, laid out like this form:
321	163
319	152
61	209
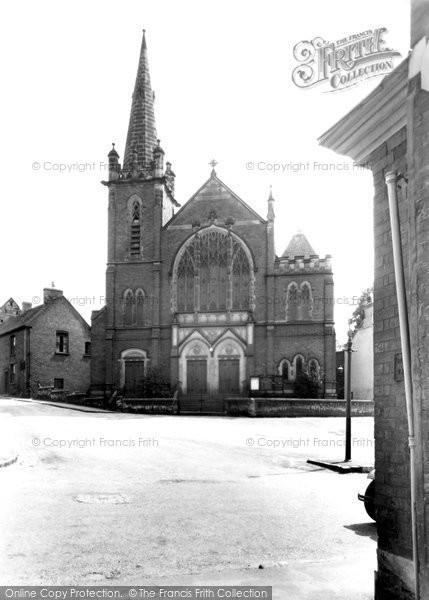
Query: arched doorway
132	366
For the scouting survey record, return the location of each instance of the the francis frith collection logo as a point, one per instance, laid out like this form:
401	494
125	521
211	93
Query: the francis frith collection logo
344	63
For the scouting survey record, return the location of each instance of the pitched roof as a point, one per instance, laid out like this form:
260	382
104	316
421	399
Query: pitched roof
22	320
26	318
9	307
298	246
211	191
141	135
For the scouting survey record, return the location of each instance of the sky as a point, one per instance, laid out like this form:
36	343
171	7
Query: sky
222	76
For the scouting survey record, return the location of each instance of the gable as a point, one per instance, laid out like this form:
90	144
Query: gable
214	200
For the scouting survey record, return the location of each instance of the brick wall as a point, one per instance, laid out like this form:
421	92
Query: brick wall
406	152
391	431
46	364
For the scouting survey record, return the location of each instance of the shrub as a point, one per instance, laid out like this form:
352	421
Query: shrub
307	385
155	384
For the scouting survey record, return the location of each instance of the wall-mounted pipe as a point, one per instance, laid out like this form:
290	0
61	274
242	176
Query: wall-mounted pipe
391	182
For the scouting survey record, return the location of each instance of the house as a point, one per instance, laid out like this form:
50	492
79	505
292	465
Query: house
48	345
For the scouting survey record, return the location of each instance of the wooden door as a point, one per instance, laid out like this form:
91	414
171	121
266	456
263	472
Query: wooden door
134	373
229	376
196	381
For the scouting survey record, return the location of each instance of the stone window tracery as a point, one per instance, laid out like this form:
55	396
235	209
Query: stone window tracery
213	273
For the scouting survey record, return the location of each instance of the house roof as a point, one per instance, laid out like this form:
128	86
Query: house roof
22	320
27	318
299	246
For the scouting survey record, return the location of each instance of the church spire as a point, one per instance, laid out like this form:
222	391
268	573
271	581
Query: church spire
141	138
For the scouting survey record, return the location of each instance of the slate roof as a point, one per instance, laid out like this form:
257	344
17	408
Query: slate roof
298	246
20	321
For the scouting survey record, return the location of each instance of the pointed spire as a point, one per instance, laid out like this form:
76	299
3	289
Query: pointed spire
141	136
270	215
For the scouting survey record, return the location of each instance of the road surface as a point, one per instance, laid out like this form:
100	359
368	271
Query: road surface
106	498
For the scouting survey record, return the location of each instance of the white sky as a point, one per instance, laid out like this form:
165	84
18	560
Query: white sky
221	72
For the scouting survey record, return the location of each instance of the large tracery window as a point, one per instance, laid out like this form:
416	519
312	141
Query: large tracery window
213	273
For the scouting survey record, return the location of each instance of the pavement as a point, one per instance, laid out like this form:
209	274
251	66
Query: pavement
343	467
337	579
65	405
101	498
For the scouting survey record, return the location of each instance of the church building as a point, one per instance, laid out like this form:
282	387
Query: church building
197	291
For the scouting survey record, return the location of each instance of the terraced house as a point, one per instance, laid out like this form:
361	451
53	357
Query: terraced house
197	290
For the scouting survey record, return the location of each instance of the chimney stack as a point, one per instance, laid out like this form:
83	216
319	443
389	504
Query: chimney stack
51	294
26	306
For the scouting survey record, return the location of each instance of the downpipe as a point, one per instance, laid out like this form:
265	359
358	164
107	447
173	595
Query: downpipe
391	183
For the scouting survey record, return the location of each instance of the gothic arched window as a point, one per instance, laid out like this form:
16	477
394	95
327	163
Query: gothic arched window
285	370
135	243
292	301
306	301
128	303
140	308
213	273
186	281
298	365
213	261
240	280
313	368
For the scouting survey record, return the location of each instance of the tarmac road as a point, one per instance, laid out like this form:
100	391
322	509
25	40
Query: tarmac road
106	498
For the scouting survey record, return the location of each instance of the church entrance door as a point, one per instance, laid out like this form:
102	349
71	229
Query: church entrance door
229	376
196	376
134	373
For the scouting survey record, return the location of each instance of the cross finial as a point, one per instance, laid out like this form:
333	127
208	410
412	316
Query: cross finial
213	163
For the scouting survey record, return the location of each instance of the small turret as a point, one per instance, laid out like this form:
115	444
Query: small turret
114	166
158	160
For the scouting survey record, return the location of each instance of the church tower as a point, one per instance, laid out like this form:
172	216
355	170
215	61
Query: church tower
140	201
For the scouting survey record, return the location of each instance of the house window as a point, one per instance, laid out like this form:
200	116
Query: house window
87	348
12	341
62	342
12	373
58	384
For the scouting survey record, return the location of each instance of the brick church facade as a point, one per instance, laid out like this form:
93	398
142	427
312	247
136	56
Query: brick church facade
197	291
